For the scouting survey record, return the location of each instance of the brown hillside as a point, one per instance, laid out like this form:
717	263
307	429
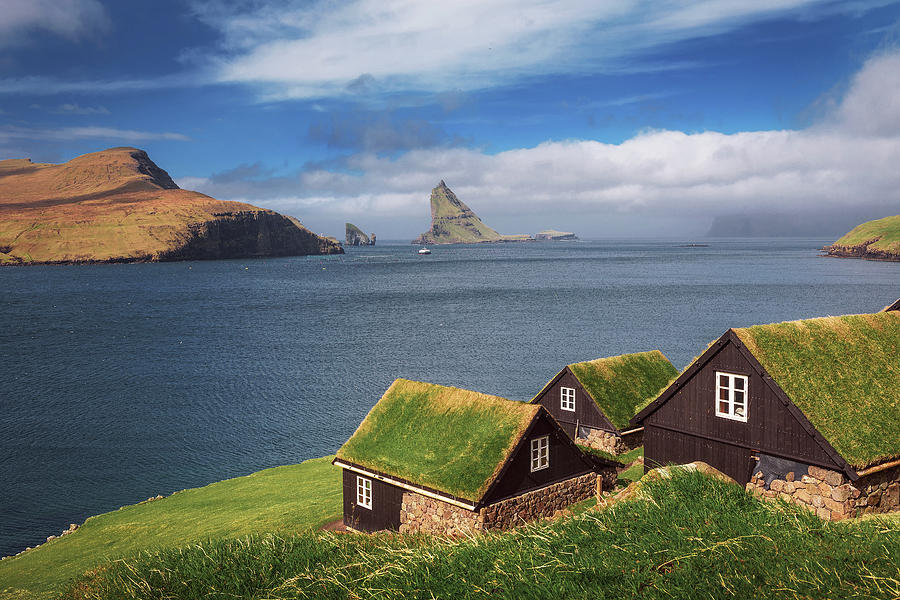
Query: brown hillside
118	206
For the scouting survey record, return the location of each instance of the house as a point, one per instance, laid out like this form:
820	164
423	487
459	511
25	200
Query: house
443	460
808	411
593	401
894	306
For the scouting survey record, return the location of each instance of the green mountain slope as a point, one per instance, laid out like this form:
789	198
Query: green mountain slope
874	240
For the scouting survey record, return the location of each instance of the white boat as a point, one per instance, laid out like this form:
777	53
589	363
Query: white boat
424	250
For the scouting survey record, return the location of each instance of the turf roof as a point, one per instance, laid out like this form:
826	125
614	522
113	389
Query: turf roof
620	384
443	438
844	374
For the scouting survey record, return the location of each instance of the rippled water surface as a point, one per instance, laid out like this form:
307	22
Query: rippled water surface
120	382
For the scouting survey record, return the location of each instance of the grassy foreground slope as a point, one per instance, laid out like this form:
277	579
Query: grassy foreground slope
878	239
285	499
696	537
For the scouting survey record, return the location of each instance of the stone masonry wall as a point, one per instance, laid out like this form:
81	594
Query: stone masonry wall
830	494
537	504
611	442
880	492
421	514
603	440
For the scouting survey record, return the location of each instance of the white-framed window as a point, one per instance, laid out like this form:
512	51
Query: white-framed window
364	492
567	398
540	453
731	396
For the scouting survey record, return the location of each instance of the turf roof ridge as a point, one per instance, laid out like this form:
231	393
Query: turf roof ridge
853	412
620	405
408	451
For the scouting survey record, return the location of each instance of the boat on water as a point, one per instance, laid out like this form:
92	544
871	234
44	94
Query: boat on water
424	250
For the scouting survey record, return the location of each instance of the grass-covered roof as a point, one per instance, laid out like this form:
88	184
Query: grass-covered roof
443	438
621	384
844	374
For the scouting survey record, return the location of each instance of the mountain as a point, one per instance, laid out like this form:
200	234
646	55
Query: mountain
117	205
873	240
354	236
452	222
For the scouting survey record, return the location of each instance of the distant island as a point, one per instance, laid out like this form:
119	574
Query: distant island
555	236
873	240
117	205
354	236
452	222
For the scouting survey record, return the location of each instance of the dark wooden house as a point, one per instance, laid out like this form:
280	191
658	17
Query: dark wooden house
444	460
791	405
593	401
894	306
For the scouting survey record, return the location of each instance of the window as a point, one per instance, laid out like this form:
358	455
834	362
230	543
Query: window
540	453
364	492
567	398
731	396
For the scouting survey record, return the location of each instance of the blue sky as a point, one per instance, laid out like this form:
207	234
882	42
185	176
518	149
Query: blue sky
605	118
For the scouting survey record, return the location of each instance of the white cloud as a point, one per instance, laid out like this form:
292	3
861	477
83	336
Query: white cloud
72	19
311	49
80	133
49	86
850	159
75	109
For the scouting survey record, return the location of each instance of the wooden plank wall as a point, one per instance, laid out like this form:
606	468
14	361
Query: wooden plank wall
586	411
770	426
565	462
386	501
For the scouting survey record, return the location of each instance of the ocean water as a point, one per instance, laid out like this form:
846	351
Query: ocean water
121	382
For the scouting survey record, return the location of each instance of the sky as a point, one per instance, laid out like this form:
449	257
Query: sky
608	118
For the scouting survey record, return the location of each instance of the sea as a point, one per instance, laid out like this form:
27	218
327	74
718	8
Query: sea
122	382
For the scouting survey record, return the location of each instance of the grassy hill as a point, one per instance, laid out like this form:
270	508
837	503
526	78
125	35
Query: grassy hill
877	240
691	536
285	499
119	206
694	537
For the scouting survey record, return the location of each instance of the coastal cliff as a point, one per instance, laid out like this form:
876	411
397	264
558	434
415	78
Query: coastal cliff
117	205
354	236
873	240
452	222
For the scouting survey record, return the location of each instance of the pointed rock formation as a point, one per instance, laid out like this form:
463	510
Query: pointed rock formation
355	237
119	206
452	222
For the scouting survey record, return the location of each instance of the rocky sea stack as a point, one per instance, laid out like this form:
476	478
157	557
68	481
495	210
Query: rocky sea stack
873	240
119	206
452	222
354	236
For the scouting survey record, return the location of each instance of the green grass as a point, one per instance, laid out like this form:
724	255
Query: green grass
885	232
631	474
696	537
285	499
620	384
844	374
440	437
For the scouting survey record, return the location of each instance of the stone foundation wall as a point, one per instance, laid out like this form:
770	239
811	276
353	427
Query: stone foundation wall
880	492
830	494
603	440
611	442
421	514
544	502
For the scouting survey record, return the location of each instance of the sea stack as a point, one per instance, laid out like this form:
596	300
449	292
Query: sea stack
117	205
354	236
452	222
